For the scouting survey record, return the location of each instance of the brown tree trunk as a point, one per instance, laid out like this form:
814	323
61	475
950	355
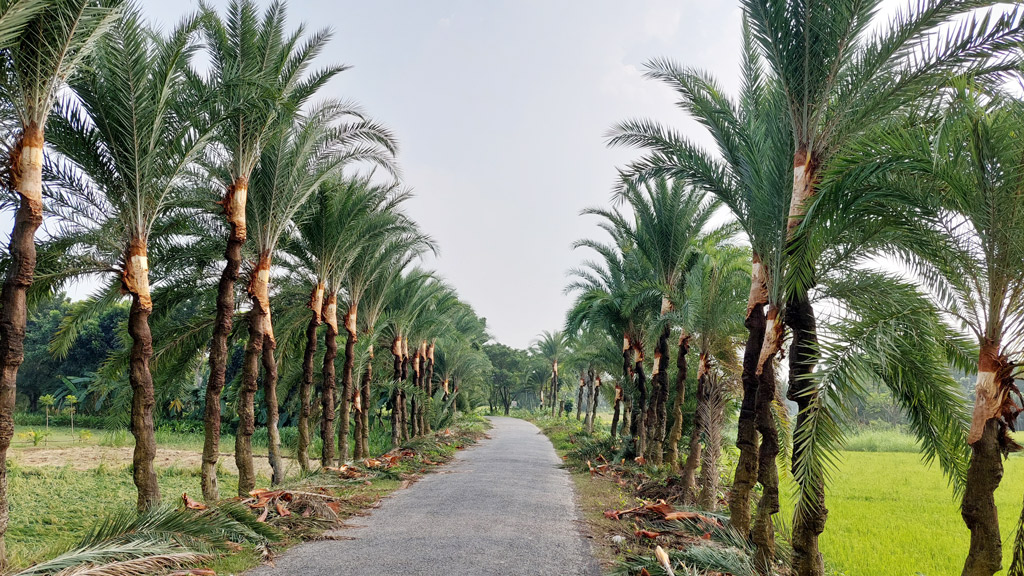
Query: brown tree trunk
693	456
676	433
26	165
346	383
396	435
316	304
595	395
246	399
430	387
414	403
638	428
273	411
403	403
616	410
135	280
763	532
234	211
579	397
328	386
985	472
746	436
363	433
809	522
659	395
554	389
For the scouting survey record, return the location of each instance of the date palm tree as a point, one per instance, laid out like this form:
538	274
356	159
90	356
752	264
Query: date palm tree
956	187
125	142
44	44
840	78
712	310
668	220
260	76
376	270
297	160
751	175
606	297
552	346
346	217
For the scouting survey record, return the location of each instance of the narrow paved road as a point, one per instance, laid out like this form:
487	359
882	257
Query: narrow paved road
502	507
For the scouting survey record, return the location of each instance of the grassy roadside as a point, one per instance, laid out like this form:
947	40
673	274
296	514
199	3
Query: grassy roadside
54	507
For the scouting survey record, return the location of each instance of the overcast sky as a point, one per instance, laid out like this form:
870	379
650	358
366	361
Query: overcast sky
501	111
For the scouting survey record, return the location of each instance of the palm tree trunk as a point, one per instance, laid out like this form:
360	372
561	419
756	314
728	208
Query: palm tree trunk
638	426
693	456
430	387
414	402
676	434
234	211
135	279
363	414
346	383
746	435
258	325
26	162
330	316
579	397
306	388
396	351
809	522
273	412
763	532
985	471
594	397
403	403
554	388
659	395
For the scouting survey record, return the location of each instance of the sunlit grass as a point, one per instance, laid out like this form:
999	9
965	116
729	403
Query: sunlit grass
891	515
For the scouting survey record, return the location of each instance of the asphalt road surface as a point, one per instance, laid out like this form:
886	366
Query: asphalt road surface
502	507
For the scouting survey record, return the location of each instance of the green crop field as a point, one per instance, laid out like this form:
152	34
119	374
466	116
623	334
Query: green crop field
892	515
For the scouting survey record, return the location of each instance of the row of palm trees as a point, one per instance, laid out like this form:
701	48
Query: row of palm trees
138	153
871	169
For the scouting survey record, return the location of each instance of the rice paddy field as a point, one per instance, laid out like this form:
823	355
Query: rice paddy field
892	515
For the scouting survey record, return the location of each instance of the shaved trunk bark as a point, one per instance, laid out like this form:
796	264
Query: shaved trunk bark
306	391
346	385
978	507
693	456
746	435
273	412
26	165
221	332
763	532
808	525
677	405
143	401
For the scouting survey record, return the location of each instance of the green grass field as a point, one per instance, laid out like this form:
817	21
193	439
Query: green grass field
891	515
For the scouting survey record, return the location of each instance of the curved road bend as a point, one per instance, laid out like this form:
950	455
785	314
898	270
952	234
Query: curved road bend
503	507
